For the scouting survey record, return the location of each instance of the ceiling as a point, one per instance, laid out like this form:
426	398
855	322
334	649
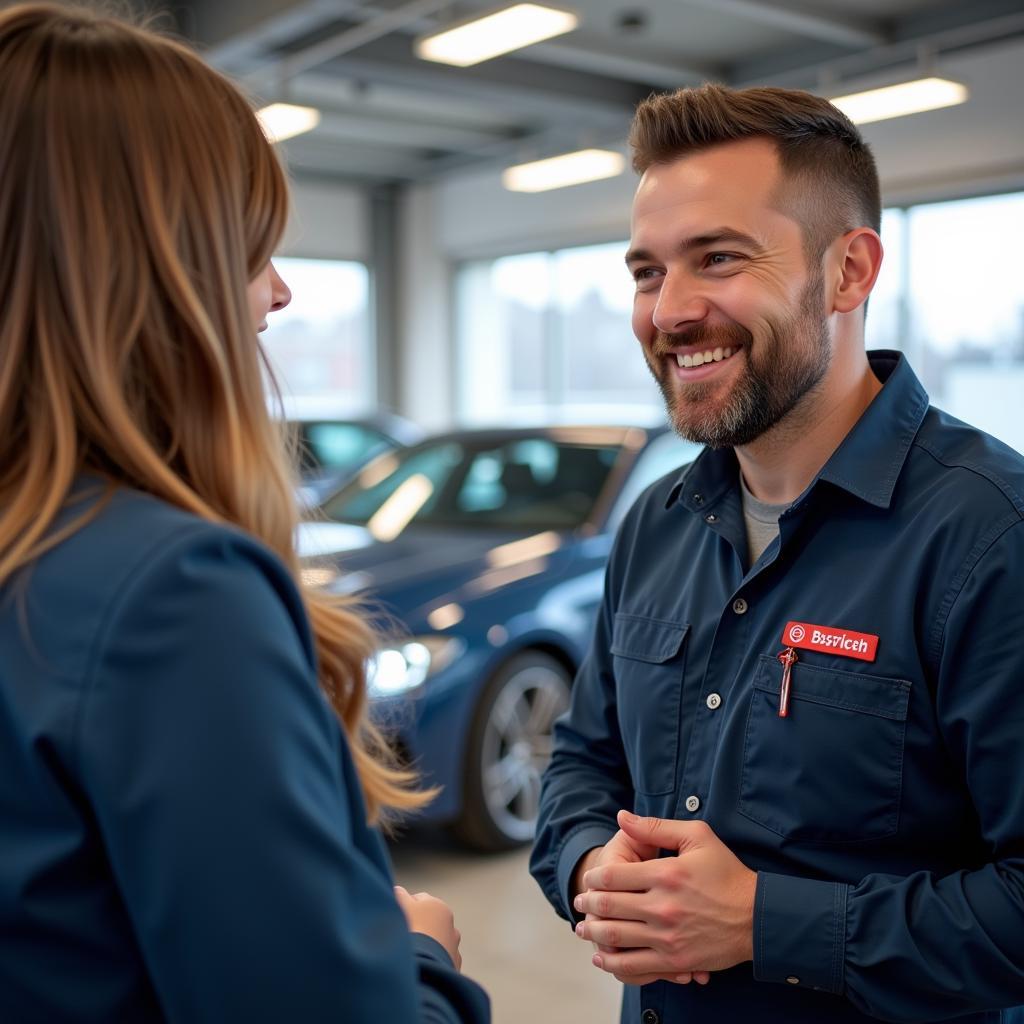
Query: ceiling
389	117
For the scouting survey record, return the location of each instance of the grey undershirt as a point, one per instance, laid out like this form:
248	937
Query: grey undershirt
762	522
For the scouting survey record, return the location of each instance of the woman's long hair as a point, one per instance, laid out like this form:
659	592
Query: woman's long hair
138	197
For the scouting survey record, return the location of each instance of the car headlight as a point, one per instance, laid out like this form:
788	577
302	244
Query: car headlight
399	669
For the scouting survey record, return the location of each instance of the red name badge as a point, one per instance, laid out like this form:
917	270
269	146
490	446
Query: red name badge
830	640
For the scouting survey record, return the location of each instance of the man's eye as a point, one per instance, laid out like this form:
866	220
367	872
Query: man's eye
643	273
718	259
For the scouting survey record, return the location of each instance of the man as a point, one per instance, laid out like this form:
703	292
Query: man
807	675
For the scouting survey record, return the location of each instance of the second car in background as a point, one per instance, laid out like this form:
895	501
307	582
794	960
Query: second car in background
481	555
331	450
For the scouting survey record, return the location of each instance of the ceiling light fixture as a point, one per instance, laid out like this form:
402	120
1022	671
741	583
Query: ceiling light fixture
283	120
481	38
898	100
560	171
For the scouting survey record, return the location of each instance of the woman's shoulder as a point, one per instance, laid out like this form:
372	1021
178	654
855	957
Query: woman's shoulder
117	534
132	552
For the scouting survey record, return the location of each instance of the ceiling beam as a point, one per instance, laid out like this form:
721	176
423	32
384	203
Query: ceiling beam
804	70
353	38
826	29
587	53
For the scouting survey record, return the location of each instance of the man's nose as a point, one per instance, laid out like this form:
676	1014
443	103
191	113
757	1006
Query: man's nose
680	304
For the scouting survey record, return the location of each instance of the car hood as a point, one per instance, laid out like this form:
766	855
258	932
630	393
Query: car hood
439	558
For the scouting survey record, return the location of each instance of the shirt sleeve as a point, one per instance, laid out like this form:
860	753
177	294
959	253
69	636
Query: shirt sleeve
588	779
922	947
229	808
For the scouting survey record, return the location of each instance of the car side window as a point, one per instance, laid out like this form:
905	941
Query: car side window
429	468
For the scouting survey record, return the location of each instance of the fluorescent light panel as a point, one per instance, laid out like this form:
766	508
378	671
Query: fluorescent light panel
899	100
283	120
560	171
501	32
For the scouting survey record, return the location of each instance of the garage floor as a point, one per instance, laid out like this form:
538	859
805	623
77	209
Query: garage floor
535	969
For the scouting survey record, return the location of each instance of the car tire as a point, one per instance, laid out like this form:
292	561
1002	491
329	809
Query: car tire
509	747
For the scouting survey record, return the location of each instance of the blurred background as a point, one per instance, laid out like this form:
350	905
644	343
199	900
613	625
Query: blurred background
432	293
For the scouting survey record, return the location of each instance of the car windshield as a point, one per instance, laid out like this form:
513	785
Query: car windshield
326	445
519	483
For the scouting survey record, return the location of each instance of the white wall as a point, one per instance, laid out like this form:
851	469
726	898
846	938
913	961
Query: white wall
328	222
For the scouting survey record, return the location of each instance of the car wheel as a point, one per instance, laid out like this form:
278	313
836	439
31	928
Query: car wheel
509	748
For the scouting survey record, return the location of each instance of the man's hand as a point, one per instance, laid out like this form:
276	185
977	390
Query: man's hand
669	917
620	849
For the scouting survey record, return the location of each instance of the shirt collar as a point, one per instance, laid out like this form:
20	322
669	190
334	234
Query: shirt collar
868	462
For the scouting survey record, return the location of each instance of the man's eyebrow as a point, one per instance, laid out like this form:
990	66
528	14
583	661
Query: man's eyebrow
720	236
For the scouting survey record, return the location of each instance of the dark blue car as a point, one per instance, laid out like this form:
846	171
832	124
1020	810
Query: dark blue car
482	554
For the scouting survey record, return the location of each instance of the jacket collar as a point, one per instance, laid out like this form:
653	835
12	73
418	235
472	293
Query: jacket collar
866	464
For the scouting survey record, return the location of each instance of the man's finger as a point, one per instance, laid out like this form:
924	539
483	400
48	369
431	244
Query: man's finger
625	905
665	833
632	963
618	934
624	878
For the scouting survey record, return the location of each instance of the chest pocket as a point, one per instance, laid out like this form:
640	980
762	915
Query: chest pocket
648	659
833	770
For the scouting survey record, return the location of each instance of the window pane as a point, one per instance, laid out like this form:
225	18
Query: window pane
884	327
604	372
967	309
547	336
319	345
501	310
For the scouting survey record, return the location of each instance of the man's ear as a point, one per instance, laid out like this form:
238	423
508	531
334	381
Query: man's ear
858	261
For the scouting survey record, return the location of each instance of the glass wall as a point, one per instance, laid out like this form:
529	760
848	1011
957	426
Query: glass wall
320	344
966	316
546	335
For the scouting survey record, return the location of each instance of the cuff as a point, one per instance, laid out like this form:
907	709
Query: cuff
575	847
426	946
800	932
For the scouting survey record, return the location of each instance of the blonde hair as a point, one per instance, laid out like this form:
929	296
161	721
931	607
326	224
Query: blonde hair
138	197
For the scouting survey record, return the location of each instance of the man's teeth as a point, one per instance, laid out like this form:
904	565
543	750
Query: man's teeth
712	355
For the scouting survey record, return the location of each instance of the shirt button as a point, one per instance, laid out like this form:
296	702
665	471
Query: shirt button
699	499
692	803
711	518
793	980
714	701
739	606
650	1017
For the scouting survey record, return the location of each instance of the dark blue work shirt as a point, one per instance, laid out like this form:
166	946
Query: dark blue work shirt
885	814
182	832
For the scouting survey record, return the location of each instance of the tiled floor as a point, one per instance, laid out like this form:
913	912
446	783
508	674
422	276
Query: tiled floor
526	957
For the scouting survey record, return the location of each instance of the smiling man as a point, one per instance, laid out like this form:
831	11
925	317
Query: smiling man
806	677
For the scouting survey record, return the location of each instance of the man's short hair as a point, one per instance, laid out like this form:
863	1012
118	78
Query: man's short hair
830	179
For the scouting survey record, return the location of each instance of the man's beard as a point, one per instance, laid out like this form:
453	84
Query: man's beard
774	379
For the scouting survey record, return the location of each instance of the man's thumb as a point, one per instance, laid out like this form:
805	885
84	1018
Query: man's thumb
660	832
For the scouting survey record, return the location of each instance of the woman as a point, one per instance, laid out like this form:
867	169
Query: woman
186	770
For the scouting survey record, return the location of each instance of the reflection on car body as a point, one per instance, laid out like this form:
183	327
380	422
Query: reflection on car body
483	554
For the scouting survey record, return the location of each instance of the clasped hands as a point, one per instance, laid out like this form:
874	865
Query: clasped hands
665	918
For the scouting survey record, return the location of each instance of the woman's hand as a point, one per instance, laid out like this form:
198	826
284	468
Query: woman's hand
430	916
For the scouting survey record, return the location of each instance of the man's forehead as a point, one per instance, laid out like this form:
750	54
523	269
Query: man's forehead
736	183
